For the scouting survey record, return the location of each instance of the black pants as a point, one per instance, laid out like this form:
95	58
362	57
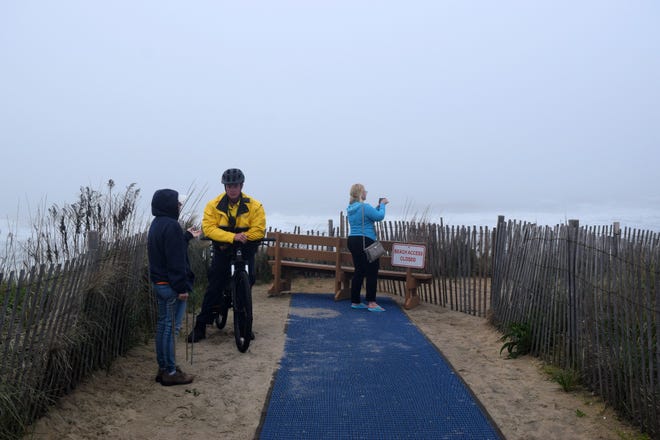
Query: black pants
218	277
362	269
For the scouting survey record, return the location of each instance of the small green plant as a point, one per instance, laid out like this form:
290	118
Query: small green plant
517	340
579	413
568	379
633	436
195	392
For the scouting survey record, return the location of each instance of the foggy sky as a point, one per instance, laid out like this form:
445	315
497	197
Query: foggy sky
442	106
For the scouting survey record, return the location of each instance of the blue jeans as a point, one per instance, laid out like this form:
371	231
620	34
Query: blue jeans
170	318
179	312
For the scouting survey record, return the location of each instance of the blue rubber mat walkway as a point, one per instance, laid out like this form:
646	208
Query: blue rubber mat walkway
356	374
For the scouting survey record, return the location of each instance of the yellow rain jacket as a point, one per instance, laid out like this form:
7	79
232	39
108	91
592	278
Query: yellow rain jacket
223	221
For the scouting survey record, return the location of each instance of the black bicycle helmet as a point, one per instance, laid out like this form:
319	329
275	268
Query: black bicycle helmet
232	176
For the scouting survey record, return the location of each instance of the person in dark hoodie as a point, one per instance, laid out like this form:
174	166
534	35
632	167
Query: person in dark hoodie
169	271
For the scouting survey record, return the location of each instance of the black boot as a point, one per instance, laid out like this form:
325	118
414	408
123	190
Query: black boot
198	333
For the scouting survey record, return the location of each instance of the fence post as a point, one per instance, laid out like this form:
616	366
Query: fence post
498	251
573	229
342	229
616	232
93	244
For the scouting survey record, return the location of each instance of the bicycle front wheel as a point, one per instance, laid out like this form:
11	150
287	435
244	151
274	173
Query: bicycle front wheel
242	298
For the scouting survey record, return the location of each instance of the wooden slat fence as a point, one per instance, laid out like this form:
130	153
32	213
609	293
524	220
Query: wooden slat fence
459	257
591	297
60	323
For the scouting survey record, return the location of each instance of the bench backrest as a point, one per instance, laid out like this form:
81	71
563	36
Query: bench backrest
314	248
318	248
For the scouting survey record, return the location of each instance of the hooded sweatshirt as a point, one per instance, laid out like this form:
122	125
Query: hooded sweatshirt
168	243
360	226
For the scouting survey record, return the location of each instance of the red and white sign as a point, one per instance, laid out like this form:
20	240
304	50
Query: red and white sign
408	255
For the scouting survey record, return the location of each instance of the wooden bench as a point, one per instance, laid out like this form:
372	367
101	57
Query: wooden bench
330	254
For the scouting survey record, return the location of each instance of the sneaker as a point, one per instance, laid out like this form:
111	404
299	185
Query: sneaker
358	306
197	334
159	375
376	309
178	378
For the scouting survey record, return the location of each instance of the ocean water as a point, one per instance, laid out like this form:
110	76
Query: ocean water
644	219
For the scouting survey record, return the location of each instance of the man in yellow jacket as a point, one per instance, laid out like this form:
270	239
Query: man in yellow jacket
228	218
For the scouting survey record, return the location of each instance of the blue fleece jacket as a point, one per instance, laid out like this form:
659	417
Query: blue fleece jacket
168	243
371	215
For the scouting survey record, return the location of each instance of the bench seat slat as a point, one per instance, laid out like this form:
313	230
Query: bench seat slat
306	265
312	240
306	254
394	274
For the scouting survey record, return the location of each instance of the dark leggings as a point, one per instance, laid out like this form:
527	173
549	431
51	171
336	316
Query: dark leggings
362	269
218	277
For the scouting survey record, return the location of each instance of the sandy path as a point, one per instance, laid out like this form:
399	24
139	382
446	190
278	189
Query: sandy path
229	393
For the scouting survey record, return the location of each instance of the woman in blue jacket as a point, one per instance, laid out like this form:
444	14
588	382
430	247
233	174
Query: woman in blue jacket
361	218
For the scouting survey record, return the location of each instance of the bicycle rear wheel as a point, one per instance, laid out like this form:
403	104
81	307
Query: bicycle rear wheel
242	298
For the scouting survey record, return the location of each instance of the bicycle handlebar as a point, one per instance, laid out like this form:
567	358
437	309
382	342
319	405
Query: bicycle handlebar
261	240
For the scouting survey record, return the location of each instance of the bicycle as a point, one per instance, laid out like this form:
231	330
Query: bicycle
237	295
